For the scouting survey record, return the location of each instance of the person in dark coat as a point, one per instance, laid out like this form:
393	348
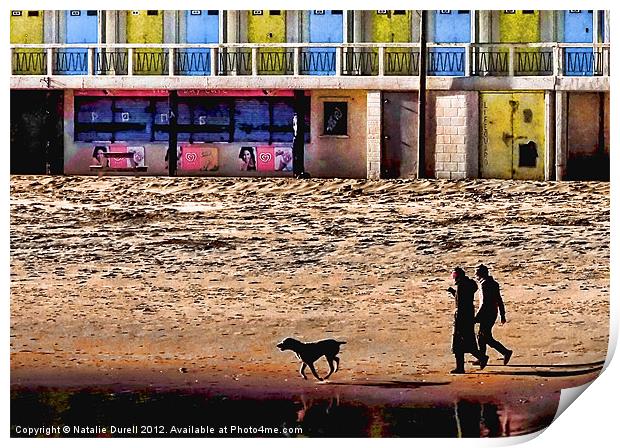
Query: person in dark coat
492	303
464	336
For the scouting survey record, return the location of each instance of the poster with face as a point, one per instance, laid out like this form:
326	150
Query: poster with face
198	158
99	159
247	158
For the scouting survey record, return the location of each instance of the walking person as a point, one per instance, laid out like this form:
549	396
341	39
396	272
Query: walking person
492	303
464	336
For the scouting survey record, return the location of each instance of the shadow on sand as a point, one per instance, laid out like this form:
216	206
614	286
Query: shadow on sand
559	366
390	384
546	373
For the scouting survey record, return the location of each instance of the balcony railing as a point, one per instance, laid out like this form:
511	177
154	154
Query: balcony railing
311	59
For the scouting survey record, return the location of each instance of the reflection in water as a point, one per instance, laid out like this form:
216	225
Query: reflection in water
331	416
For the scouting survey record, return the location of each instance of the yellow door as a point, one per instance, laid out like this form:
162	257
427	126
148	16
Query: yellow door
495	129
269	26
393	26
528	122
519	26
27	28
147	27
522	27
512	135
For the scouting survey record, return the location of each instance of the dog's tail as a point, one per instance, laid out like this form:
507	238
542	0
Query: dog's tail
340	342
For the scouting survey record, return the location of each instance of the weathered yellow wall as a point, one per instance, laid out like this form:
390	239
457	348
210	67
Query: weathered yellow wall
391	28
524	131
145	29
331	156
519	27
495	122
266	28
508	119
27	29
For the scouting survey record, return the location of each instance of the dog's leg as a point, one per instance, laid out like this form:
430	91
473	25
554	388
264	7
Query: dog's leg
314	372
330	361
337	362
302	370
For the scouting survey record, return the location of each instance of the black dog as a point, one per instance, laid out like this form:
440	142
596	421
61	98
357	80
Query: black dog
310	352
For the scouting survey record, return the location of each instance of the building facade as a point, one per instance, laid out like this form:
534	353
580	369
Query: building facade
506	94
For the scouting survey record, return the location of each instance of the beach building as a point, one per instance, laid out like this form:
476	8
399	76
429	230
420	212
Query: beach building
510	94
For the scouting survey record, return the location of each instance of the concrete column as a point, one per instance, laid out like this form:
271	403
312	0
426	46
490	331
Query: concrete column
606	26
182	27
595	27
473	21
561	134
50	27
345	26
549	135
293	23
69	128
373	134
416	32
100	26
62	27
357	26
111	25
170	27
547	26
222	26
484	26
472	134
232	26
358	36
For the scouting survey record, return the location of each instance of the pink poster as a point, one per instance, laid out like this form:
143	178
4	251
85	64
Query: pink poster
118	162
265	158
190	158
284	159
138	156
198	158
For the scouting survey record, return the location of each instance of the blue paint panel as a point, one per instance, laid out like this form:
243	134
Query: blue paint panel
325	27
81	28
216	115
136	112
251	120
578	28
89	114
161	119
451	26
202	28
184	117
282	127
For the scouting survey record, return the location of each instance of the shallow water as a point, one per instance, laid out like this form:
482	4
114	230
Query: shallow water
100	413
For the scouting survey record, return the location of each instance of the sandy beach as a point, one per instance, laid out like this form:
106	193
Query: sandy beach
188	284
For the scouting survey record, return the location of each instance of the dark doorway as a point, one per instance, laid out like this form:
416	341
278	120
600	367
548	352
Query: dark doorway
36	132
399	135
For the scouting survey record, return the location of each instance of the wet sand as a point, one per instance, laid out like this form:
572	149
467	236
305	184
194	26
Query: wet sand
120	282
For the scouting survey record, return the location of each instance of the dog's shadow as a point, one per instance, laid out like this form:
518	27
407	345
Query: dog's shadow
388	384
